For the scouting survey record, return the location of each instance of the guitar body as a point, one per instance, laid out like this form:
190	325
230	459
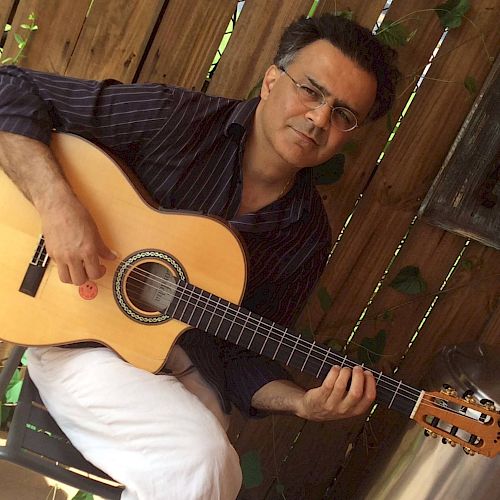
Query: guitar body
197	248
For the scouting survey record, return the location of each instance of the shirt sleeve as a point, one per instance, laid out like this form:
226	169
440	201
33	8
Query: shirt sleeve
119	117
247	372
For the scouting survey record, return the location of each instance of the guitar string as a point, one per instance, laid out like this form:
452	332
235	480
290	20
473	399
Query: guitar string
231	315
296	339
424	402
235	315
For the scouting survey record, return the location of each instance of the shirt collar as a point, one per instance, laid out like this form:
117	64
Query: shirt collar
241	118
284	211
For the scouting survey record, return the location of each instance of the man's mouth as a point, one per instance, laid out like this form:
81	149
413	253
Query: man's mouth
305	137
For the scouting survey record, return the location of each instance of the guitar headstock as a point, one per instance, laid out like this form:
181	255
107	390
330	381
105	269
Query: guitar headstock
472	424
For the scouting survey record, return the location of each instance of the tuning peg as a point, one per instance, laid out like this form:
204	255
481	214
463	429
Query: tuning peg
469	397
448	441
469	452
428	432
448	390
488	404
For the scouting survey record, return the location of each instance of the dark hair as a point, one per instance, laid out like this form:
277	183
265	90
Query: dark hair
356	42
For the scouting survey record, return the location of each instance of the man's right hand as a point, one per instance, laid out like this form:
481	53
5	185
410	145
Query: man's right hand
73	242
71	235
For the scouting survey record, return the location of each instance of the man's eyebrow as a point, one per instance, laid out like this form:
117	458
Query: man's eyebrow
326	93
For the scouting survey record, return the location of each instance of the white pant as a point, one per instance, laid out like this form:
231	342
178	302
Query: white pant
147	431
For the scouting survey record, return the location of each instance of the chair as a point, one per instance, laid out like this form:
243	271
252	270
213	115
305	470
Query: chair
36	442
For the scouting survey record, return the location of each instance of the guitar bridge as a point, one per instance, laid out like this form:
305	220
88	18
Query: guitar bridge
36	270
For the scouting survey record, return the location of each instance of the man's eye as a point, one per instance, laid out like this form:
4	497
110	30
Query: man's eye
311	93
344	115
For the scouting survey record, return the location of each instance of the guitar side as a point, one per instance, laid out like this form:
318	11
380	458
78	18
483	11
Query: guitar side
211	257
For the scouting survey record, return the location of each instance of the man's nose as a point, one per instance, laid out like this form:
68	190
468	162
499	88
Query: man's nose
320	116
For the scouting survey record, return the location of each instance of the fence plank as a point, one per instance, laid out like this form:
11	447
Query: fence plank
113	39
186	42
392	198
340	198
5	9
461	315
391	201
59	23
365	13
252	46
491	334
433	251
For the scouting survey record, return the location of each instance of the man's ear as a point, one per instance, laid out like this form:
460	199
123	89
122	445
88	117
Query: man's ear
270	78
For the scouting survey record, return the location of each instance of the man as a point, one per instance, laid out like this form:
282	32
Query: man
163	435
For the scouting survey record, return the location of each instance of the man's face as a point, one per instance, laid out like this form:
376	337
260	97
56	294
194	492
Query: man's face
304	137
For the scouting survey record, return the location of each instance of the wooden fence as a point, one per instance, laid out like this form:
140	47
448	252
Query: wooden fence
175	42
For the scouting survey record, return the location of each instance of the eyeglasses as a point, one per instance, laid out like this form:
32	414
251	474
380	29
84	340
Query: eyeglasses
342	119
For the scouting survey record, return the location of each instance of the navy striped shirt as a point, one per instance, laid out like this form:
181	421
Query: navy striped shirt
186	148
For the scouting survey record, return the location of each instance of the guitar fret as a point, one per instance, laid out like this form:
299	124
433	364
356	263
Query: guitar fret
215	309
307	356
293	350
279	343
203	311
221	319
242	328
395	392
322	363
174	312
255	332
267	338
187	302
232	322
194	309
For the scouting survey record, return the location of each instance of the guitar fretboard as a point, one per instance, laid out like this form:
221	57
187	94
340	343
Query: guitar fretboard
235	324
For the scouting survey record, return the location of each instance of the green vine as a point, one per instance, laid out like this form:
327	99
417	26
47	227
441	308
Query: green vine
22	42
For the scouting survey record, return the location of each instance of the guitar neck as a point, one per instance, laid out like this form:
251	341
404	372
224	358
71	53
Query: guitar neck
228	321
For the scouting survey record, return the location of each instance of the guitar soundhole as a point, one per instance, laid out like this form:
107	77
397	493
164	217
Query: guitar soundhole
150	287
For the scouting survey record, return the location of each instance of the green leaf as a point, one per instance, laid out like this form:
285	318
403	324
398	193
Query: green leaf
467	264
371	349
83	495
388	315
335	345
330	171
389	121
24	360
325	301
255	92
21	42
307	333
280	489
8	27
471	85
26	26
409	281
12	393
348	14
452	12
252	469
350	147
392	33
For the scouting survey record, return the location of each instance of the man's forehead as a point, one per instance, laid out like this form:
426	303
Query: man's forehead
336	74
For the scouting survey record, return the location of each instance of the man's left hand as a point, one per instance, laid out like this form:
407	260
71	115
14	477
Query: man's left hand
336	398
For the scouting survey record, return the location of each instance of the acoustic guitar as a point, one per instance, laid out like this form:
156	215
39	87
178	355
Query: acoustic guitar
175	270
